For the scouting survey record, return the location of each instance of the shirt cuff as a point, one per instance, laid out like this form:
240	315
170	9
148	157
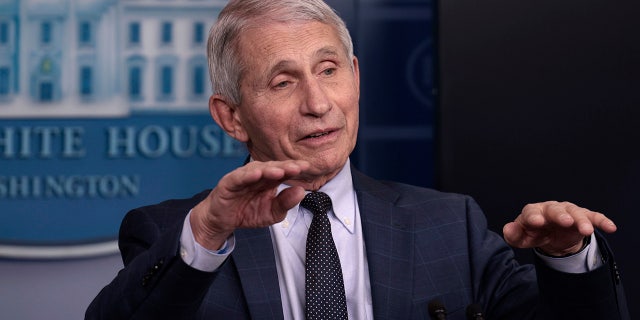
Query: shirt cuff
199	257
589	258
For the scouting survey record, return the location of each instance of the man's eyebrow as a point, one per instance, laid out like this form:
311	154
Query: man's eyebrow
279	67
328	51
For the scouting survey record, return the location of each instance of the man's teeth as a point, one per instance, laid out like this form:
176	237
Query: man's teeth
318	135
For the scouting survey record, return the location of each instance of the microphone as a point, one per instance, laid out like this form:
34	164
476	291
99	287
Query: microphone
437	310
474	312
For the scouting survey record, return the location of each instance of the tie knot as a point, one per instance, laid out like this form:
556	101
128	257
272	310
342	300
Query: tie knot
316	202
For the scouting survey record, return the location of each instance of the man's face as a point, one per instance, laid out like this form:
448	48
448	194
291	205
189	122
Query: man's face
299	95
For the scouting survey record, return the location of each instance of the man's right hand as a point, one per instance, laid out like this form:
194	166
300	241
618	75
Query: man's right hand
246	198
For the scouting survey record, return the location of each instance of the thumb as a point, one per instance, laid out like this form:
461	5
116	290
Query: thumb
287	199
513	234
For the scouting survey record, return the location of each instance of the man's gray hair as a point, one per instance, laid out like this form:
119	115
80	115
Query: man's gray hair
225	61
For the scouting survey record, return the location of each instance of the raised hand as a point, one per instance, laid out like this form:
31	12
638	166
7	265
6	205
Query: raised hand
247	198
556	228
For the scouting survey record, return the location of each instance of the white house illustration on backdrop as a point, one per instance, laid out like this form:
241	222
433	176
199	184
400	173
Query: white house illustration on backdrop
103	58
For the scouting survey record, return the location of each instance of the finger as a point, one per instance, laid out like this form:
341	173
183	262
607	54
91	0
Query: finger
239	178
295	169
586	220
513	234
532	216
261	175
288	198
602	222
278	170
516	236
280	205
283	172
605	224
582	219
562	214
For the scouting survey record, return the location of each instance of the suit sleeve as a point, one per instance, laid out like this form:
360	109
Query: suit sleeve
155	283
597	294
505	289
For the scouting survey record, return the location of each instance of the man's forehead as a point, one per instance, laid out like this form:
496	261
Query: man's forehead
273	46
272	34
328	51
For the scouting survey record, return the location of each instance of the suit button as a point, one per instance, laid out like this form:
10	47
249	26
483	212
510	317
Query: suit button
151	272
145	280
616	273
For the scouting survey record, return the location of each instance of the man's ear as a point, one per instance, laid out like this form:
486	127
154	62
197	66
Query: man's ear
226	116
356	73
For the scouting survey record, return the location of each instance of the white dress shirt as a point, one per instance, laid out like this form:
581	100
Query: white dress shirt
289	241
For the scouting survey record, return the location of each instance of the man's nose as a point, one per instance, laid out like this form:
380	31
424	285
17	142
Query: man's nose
316	102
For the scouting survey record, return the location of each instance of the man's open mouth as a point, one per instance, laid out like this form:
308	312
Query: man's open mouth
317	135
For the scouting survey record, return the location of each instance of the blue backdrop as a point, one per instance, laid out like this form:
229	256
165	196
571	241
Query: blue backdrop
103	107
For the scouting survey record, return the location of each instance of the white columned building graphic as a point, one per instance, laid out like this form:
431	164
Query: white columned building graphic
103	58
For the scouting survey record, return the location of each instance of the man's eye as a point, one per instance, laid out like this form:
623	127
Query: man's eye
282	84
328	72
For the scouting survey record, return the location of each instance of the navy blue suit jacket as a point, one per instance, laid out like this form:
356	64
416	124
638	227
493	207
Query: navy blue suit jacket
421	245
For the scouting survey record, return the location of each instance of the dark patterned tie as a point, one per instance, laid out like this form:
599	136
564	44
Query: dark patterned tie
324	286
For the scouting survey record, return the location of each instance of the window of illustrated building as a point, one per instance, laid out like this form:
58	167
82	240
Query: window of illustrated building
46	80
86	81
4	81
134	33
166	81
199	81
198	33
4	33
46	91
166	72
45	32
136	66
135	82
197	78
166	33
85	36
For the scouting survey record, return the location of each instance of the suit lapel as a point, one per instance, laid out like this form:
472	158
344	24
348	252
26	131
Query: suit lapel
389	246
256	265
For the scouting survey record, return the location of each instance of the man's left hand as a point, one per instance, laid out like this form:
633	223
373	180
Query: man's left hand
556	228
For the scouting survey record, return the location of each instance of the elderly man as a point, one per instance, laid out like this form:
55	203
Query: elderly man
258	245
